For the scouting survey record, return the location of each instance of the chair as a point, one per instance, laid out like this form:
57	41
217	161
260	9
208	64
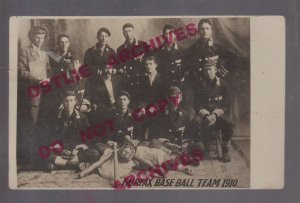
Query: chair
214	136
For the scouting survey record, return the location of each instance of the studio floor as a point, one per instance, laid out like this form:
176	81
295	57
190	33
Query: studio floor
210	168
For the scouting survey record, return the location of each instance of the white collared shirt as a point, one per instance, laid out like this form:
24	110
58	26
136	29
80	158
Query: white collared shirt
152	77
110	90
41	53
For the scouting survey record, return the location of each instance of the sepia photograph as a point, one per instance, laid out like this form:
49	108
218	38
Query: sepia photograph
132	102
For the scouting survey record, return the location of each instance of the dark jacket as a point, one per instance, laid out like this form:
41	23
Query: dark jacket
68	129
132	69
196	55
155	92
96	59
174	123
64	64
123	125
170	64
213	95
97	93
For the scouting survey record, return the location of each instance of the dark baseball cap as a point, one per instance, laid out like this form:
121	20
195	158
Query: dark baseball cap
174	90
124	93
69	93
209	62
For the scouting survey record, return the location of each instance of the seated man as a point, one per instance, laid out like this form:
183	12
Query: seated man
66	129
212	106
169	127
122	132
175	118
124	123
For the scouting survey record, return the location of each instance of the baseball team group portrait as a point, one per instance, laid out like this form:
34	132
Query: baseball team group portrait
115	102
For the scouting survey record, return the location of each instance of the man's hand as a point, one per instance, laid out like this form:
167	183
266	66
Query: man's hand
66	154
134	142
203	112
142	112
121	71
211	119
99	72
110	143
140	57
45	81
162	140
84	108
94	107
76	65
218	112
74	153
82	146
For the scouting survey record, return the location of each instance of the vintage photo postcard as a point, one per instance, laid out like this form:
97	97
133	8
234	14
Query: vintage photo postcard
143	103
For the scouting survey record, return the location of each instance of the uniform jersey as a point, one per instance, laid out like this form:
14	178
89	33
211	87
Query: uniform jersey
213	95
65	64
67	129
132	69
170	64
123	125
202	51
97	59
174	123
97	92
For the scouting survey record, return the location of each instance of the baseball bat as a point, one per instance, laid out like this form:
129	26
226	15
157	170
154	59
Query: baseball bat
219	145
116	162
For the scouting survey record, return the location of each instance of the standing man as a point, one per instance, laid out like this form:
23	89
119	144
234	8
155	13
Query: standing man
33	69
170	66
97	57
206	49
212	106
64	60
170	58
131	64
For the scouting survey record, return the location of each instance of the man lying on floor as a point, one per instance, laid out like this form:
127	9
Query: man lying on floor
131	158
